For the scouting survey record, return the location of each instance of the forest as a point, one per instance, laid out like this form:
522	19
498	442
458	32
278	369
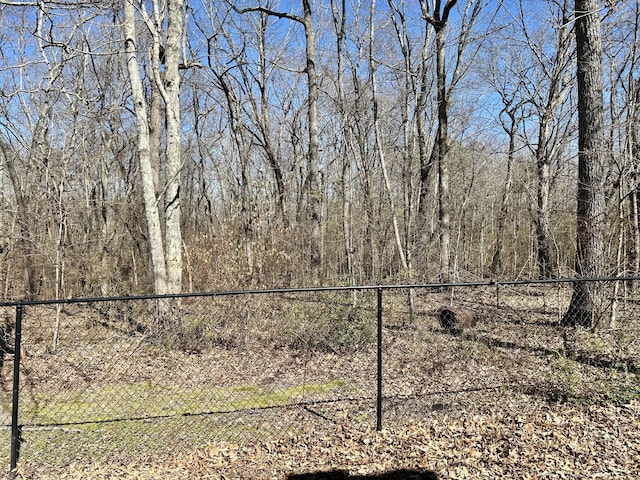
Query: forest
202	203
158	146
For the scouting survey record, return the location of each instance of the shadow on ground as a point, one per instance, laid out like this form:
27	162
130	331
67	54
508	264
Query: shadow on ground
342	475
625	365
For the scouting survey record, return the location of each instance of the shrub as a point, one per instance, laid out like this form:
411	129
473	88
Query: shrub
330	326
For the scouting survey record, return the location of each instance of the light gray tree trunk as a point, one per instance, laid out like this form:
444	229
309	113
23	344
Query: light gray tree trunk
152	213
444	211
379	145
438	18
427	156
173	158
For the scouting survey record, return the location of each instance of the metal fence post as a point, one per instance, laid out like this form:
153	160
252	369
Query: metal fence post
15	428
379	386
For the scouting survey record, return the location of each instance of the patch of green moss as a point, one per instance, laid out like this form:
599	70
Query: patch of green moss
141	419
132	439
145	401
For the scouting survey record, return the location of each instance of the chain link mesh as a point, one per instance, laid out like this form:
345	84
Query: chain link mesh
114	381
521	344
135	379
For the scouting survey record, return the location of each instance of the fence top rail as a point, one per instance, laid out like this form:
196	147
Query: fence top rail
226	293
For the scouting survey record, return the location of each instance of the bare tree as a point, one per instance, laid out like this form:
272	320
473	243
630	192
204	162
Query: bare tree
380	148
510	117
437	15
314	200
547	87
508	71
165	241
339	17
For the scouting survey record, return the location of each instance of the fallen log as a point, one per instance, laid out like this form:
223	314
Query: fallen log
454	319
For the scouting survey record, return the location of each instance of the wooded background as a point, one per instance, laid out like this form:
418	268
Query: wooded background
163	146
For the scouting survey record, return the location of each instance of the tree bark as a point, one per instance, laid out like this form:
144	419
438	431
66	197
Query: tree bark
173	158
444	211
152	214
314	214
438	19
542	220
587	305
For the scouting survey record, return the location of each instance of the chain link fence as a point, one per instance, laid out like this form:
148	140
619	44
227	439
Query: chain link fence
507	339
124	379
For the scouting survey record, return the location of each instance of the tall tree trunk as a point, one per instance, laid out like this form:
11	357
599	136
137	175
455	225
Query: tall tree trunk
265	124
542	219
634	222
313	208
165	246
313	155
339	23
510	128
444	211
152	214
173	230
587	305
425	155
633	147
556	79
437	14
156	126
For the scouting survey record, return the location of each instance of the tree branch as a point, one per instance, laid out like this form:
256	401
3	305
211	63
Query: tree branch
269	12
